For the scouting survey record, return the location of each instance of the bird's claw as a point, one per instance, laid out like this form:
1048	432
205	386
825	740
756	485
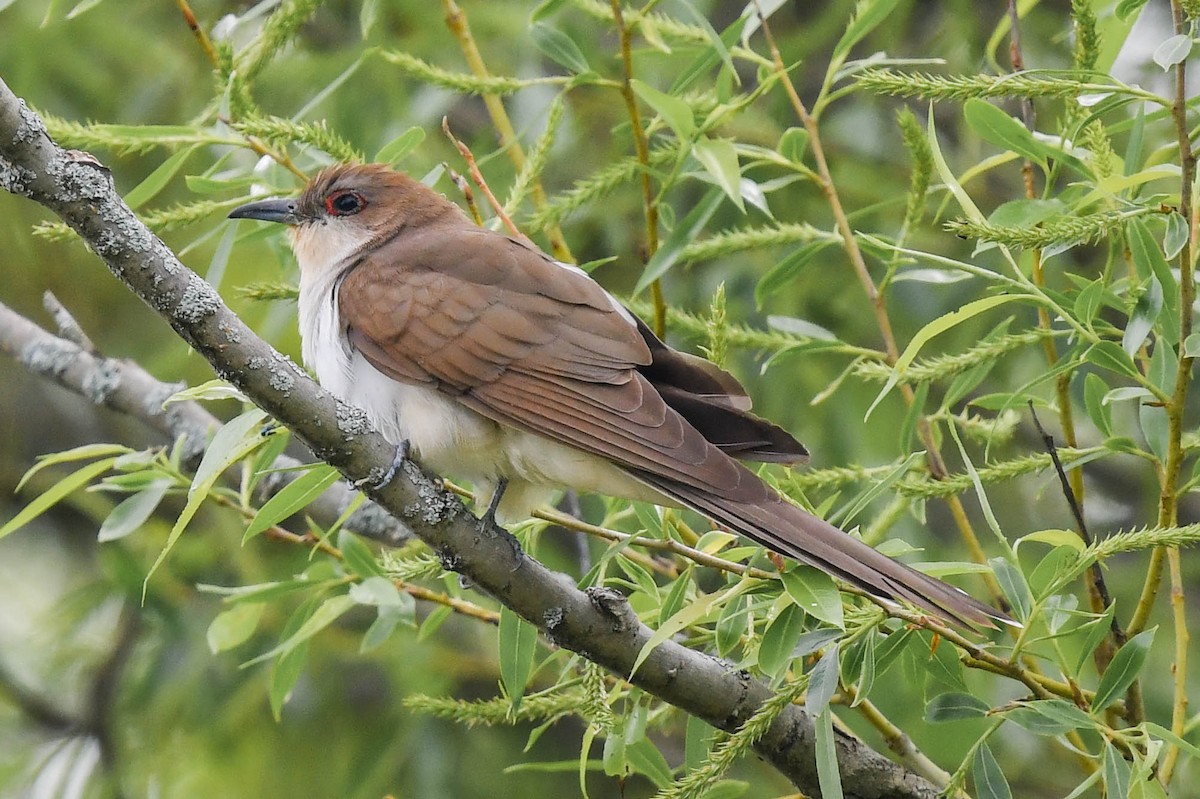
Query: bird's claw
489	515
403	449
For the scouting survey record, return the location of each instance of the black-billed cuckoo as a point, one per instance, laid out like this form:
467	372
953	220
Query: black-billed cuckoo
503	366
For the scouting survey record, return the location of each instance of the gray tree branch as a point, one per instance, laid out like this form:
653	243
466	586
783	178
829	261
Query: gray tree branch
73	363
594	623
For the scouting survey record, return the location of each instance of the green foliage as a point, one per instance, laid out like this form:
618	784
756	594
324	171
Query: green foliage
938	275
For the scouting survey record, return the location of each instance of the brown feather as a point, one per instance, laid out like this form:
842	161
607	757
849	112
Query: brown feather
529	344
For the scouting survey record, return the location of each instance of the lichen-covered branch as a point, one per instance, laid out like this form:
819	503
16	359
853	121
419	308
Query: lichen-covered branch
128	388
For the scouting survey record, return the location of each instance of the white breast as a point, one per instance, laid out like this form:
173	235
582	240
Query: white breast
446	436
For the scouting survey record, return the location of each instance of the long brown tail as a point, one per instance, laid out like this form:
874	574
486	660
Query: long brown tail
792	531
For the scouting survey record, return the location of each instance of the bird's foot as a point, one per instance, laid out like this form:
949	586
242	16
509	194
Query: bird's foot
489	515
403	449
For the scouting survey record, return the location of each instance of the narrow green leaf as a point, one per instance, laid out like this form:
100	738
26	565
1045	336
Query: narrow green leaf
684	234
1040	723
828	775
1109	355
157	180
793	144
386	621
1013	583
398	148
1116	772
847	513
1126	9
1055	538
698	740
953	706
935	328
433	621
237	438
215	389
55	493
687	616
232	627
234	441
1176	235
86	452
1191	347
995	126
868	14
133	511
559	48
815	592
720	160
1089	301
676	595
645	759
1096	632
822	682
284	674
990	782
358	557
674	111
943	169
1149	259
1171	52
786	271
942	666
1094	391
518	645
779	639
291	498
1143	318
546	8
1156	429
329	611
368	15
1123	670
715	40
379	592
616	764
1160	731
731	624
1125	393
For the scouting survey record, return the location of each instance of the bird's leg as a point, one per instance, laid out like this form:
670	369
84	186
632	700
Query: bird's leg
489	516
402	452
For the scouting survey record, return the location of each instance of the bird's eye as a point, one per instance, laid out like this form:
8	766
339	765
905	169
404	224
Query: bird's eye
344	203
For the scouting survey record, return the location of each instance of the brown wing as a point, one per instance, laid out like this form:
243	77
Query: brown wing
520	340
525	342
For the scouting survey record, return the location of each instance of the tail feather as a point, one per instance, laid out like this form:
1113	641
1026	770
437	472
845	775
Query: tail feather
792	531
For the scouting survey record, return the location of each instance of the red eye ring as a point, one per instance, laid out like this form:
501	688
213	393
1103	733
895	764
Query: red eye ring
344	202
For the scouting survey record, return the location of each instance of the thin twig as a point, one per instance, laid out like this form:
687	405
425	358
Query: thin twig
201	37
464	188
279	157
477	176
641	146
456	21
1077	512
1168	507
68	328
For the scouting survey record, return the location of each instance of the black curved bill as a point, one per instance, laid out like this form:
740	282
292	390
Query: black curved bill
277	210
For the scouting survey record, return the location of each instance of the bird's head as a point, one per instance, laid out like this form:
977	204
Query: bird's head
347	207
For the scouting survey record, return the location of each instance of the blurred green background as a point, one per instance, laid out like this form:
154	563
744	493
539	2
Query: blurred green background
182	722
